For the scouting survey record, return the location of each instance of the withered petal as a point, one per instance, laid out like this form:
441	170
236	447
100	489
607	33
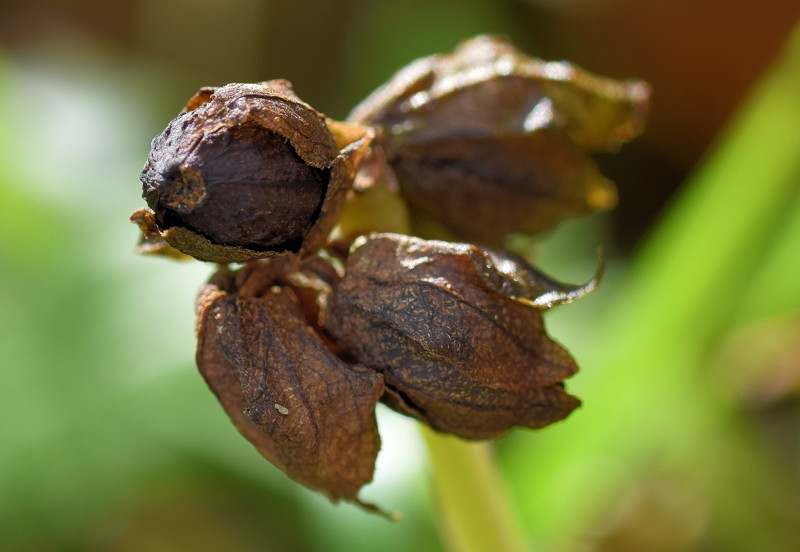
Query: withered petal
481	189
486	141
305	410
476	415
488	88
455	349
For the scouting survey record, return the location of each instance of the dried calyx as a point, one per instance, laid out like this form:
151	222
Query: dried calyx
307	411
326	317
444	325
486	140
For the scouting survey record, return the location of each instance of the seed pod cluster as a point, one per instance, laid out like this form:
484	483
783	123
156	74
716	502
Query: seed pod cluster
299	353
326	316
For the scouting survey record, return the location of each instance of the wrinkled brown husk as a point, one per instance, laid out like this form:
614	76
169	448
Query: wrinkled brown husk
487	141
454	331
305	410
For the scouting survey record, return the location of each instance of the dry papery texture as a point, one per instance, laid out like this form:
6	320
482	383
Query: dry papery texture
327	317
247	171
456	331
486	141
305	410
299	354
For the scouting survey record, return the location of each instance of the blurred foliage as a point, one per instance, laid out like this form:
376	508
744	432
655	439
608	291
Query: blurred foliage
665	455
688	437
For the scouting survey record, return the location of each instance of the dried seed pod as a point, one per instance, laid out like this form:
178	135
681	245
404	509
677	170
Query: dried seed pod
456	331
248	171
487	141
306	411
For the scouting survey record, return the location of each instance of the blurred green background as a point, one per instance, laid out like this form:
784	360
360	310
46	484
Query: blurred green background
689	351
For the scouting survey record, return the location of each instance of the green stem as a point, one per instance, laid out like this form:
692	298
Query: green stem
474	510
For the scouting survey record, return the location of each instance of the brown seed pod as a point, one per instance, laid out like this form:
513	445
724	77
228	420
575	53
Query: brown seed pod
457	332
248	171
487	141
304	409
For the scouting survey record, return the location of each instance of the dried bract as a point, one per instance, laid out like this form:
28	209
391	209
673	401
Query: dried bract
487	141
456	331
306	411
248	171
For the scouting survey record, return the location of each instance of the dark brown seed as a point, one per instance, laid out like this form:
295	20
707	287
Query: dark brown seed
243	186
248	171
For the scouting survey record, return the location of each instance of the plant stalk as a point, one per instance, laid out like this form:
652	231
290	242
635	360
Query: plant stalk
474	508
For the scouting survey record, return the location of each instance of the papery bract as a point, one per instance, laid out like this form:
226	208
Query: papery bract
304	409
487	141
456	331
